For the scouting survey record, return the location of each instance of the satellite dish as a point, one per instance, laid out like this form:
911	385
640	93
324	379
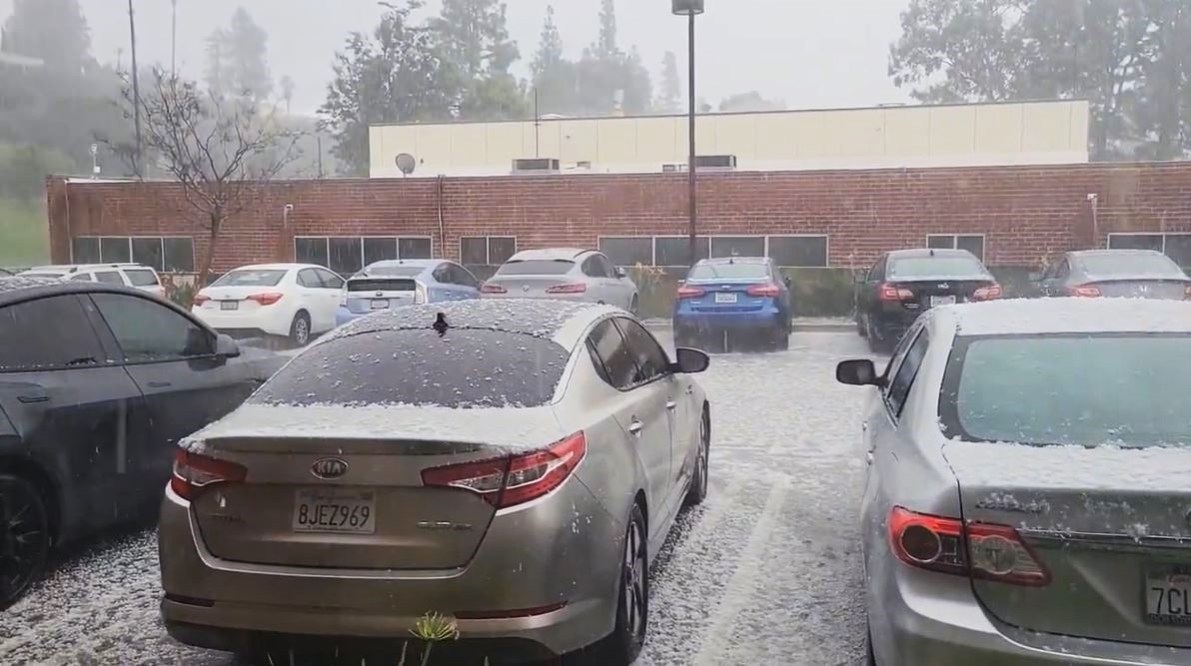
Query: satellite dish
406	163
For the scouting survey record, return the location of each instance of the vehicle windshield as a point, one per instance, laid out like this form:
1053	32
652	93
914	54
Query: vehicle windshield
392	271
464	368
536	267
141	278
250	278
1116	390
726	271
930	268
1130	264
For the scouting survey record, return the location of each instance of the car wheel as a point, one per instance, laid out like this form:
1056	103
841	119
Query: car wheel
861	326
698	490
632	612
299	330
635	306
24	537
781	339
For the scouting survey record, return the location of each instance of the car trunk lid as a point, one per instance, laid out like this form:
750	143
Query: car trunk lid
526	286
366	295
1141	287
1109	524
926	294
341	487
239	299
727	296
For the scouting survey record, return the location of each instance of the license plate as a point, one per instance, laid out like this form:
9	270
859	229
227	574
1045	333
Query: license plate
380	305
229	305
725	298
335	510
942	300
1168	598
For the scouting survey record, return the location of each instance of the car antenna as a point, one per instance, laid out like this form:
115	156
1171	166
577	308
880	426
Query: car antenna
441	325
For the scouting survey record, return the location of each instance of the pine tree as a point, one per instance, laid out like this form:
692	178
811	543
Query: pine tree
670	95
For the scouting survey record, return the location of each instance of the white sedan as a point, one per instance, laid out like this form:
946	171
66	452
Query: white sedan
295	301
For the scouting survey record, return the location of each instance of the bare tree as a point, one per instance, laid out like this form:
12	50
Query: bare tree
221	151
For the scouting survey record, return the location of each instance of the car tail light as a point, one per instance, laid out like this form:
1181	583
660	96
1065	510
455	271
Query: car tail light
193	472
690	292
571	288
1187	293
991	292
199	299
979	550
420	294
1084	291
892	292
268	298
765	290
505	482
493	289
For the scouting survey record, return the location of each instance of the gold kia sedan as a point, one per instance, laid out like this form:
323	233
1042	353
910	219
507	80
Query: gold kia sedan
511	465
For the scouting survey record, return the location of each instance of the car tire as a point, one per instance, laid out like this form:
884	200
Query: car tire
299	330
861	326
632	610
635	306
781	339
23	514
698	490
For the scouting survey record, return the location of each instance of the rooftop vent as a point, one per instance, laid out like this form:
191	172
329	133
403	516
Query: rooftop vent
536	165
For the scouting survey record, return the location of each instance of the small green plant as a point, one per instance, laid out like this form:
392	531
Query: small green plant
181	292
434	628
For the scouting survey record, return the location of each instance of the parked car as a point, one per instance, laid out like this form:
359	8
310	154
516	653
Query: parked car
294	301
721	298
516	464
1027	493
136	276
1115	273
905	283
387	284
98	383
564	274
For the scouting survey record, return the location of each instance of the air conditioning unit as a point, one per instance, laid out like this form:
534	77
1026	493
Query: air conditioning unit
674	168
715	162
536	165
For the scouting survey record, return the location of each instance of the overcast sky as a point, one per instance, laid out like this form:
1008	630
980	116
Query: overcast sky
810	53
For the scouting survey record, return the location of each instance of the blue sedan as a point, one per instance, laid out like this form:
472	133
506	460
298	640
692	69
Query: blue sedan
733	297
389	284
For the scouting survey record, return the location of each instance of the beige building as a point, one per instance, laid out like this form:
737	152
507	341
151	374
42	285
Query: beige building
1053	132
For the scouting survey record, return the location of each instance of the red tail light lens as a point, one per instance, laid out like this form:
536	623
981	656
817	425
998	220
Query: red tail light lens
978	550
266	298
1084	291
493	289
506	482
765	290
892	292
193	472
199	299
988	293
573	288
690	292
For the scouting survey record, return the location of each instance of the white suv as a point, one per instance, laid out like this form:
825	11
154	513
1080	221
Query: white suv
136	276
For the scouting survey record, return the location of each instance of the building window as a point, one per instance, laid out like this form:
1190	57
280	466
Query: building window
738	246
628	251
806	251
973	243
348	255
1176	246
486	250
172	254
675	251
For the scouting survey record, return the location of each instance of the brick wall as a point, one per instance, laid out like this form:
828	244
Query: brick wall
1024	212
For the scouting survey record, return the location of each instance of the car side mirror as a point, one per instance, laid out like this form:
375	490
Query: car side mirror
860	372
226	347
691	361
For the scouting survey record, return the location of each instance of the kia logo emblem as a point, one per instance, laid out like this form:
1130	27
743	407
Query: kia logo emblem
329	468
944	285
525	288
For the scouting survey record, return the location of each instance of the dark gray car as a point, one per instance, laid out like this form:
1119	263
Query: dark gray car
1114	273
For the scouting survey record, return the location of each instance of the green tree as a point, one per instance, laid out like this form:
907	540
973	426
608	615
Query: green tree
392	76
237	59
750	102
52	30
670	96
609	80
553	75
473	40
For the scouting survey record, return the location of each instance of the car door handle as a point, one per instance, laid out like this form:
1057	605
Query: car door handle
671	405
636	427
29	399
160	384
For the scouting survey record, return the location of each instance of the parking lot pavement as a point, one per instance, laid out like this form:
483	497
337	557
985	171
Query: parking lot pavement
767	571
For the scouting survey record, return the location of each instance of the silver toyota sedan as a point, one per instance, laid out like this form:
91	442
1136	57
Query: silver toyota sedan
564	274
1027	497
512	465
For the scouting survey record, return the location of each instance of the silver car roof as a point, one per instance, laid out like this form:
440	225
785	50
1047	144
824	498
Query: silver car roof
1066	315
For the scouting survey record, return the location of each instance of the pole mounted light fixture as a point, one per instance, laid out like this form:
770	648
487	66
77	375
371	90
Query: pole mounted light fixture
691	9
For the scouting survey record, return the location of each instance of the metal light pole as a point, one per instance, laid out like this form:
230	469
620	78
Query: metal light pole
136	90
691	9
174	39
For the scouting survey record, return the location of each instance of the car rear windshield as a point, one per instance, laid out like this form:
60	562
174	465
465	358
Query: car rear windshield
141	278
464	368
736	271
1123	390
395	271
1131	264
931	268
250	278
537	267
371	284
42	275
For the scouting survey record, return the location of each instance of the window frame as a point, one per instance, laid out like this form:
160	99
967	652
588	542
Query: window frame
895	410
623	323
598	361
302	282
826	249
326	240
82	302
124	359
487	240
1163	235
653	248
955	242
160	241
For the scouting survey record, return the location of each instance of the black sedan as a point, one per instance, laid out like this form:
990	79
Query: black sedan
1114	273
97	384
905	283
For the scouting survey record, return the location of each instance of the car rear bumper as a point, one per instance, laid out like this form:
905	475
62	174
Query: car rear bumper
525	562
688	322
930	618
268	320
